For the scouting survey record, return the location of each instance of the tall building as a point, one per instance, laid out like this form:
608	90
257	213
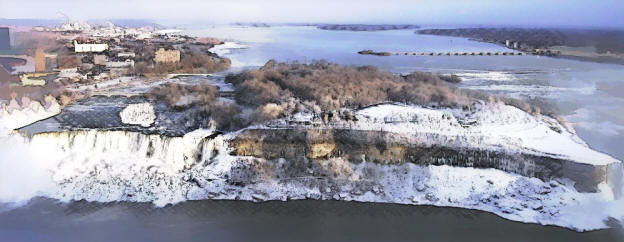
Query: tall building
40	60
5	39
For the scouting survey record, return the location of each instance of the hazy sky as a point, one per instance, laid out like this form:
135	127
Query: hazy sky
608	13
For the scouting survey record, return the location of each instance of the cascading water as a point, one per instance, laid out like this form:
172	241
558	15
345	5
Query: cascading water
117	165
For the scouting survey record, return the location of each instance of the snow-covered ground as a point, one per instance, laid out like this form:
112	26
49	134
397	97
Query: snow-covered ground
492	126
13	116
88	170
108	166
226	48
139	114
489	126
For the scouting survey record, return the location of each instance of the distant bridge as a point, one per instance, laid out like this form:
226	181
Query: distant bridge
408	53
458	53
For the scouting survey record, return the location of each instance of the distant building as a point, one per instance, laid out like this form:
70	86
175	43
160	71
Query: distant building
40	60
33	79
507	43
51	62
100	59
82	48
516	45
120	64
5	39
126	55
72	74
167	56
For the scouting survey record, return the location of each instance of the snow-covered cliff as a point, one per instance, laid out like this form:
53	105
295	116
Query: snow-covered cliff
130	166
14	116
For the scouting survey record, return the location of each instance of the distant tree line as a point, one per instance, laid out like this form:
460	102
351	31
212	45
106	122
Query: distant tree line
602	40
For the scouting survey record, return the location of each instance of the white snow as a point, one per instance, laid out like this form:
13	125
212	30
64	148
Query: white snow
13	116
138	114
110	166
80	165
491	126
226	48
501	76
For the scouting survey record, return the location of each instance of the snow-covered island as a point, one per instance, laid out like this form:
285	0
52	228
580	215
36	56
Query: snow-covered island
182	141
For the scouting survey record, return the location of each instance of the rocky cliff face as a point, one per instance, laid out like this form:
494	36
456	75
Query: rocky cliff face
109	166
490	136
383	147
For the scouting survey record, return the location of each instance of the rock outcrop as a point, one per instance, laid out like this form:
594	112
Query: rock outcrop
390	148
492	136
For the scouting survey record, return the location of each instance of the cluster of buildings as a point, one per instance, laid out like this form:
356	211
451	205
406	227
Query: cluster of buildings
530	49
109	31
512	44
98	53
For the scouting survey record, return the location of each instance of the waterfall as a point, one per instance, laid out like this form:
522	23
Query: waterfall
111	165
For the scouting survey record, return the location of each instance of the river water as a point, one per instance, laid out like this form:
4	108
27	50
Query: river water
589	95
46	220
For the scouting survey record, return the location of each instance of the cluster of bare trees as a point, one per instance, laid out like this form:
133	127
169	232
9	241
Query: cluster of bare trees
332	86
279	89
182	96
200	104
190	62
